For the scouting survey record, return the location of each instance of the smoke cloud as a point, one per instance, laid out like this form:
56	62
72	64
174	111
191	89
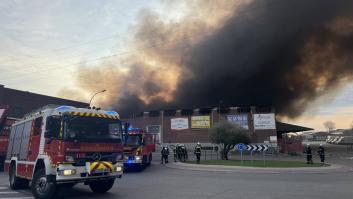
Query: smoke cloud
264	52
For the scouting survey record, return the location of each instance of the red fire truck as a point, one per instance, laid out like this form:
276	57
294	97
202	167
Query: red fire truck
138	148
63	145
5	124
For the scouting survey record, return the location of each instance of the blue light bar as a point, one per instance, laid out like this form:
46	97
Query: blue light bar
64	108
113	113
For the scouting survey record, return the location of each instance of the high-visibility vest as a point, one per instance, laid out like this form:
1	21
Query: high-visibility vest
198	149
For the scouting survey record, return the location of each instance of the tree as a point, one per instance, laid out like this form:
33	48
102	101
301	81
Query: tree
329	125
227	135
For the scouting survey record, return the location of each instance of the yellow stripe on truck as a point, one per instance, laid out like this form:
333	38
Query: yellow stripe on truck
101	165
88	114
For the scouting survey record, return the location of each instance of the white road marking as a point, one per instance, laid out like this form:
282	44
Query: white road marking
8	192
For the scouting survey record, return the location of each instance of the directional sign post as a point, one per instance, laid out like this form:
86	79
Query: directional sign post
259	147
241	147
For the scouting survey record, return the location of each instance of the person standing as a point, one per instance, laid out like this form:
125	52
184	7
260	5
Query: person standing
321	152
309	154
197	152
165	154
183	152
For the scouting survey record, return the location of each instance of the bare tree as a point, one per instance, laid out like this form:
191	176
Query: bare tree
330	126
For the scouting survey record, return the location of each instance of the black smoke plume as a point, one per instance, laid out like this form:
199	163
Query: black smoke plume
261	52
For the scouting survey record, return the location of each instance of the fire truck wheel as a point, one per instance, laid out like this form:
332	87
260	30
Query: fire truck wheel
101	186
42	188
16	182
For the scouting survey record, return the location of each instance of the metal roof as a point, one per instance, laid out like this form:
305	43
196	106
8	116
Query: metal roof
288	128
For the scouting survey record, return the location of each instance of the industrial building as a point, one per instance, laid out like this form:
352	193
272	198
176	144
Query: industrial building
191	125
22	102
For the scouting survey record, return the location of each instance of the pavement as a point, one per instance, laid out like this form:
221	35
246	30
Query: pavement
159	181
7	193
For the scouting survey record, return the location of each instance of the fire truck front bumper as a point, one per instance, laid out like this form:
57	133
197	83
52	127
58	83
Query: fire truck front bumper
66	173
132	160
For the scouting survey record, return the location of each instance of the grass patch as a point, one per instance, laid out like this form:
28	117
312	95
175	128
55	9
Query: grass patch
258	163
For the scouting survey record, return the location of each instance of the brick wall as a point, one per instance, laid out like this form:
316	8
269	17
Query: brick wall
199	135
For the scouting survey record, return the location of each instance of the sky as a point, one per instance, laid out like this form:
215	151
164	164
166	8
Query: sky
44	42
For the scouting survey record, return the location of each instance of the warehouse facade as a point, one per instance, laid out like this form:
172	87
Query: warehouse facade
192	125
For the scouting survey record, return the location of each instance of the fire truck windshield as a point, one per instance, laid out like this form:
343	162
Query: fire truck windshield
93	129
133	140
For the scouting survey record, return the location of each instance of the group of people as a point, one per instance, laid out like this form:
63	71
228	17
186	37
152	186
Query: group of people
180	153
309	154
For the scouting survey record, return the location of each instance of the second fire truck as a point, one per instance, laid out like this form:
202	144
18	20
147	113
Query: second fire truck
138	148
63	145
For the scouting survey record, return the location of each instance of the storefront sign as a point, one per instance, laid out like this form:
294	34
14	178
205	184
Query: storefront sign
200	122
264	121
239	119
179	123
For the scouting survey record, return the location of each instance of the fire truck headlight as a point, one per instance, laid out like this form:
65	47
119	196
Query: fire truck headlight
67	172
137	157
118	169
69	158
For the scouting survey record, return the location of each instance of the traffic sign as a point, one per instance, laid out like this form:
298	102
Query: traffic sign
259	147
240	147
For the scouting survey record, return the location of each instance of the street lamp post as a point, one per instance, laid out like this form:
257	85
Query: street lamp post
95	95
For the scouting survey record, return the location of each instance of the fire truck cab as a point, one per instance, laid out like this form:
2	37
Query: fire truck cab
63	145
138	148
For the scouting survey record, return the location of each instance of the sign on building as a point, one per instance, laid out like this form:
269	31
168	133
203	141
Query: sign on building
179	123
264	121
239	119
200	122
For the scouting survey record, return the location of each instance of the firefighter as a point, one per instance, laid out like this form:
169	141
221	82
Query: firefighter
321	152
183	153
309	154
165	154
197	152
175	152
179	152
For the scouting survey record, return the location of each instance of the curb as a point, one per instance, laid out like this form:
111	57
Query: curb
333	168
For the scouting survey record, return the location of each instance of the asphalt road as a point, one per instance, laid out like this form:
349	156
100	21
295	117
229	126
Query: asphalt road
161	182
